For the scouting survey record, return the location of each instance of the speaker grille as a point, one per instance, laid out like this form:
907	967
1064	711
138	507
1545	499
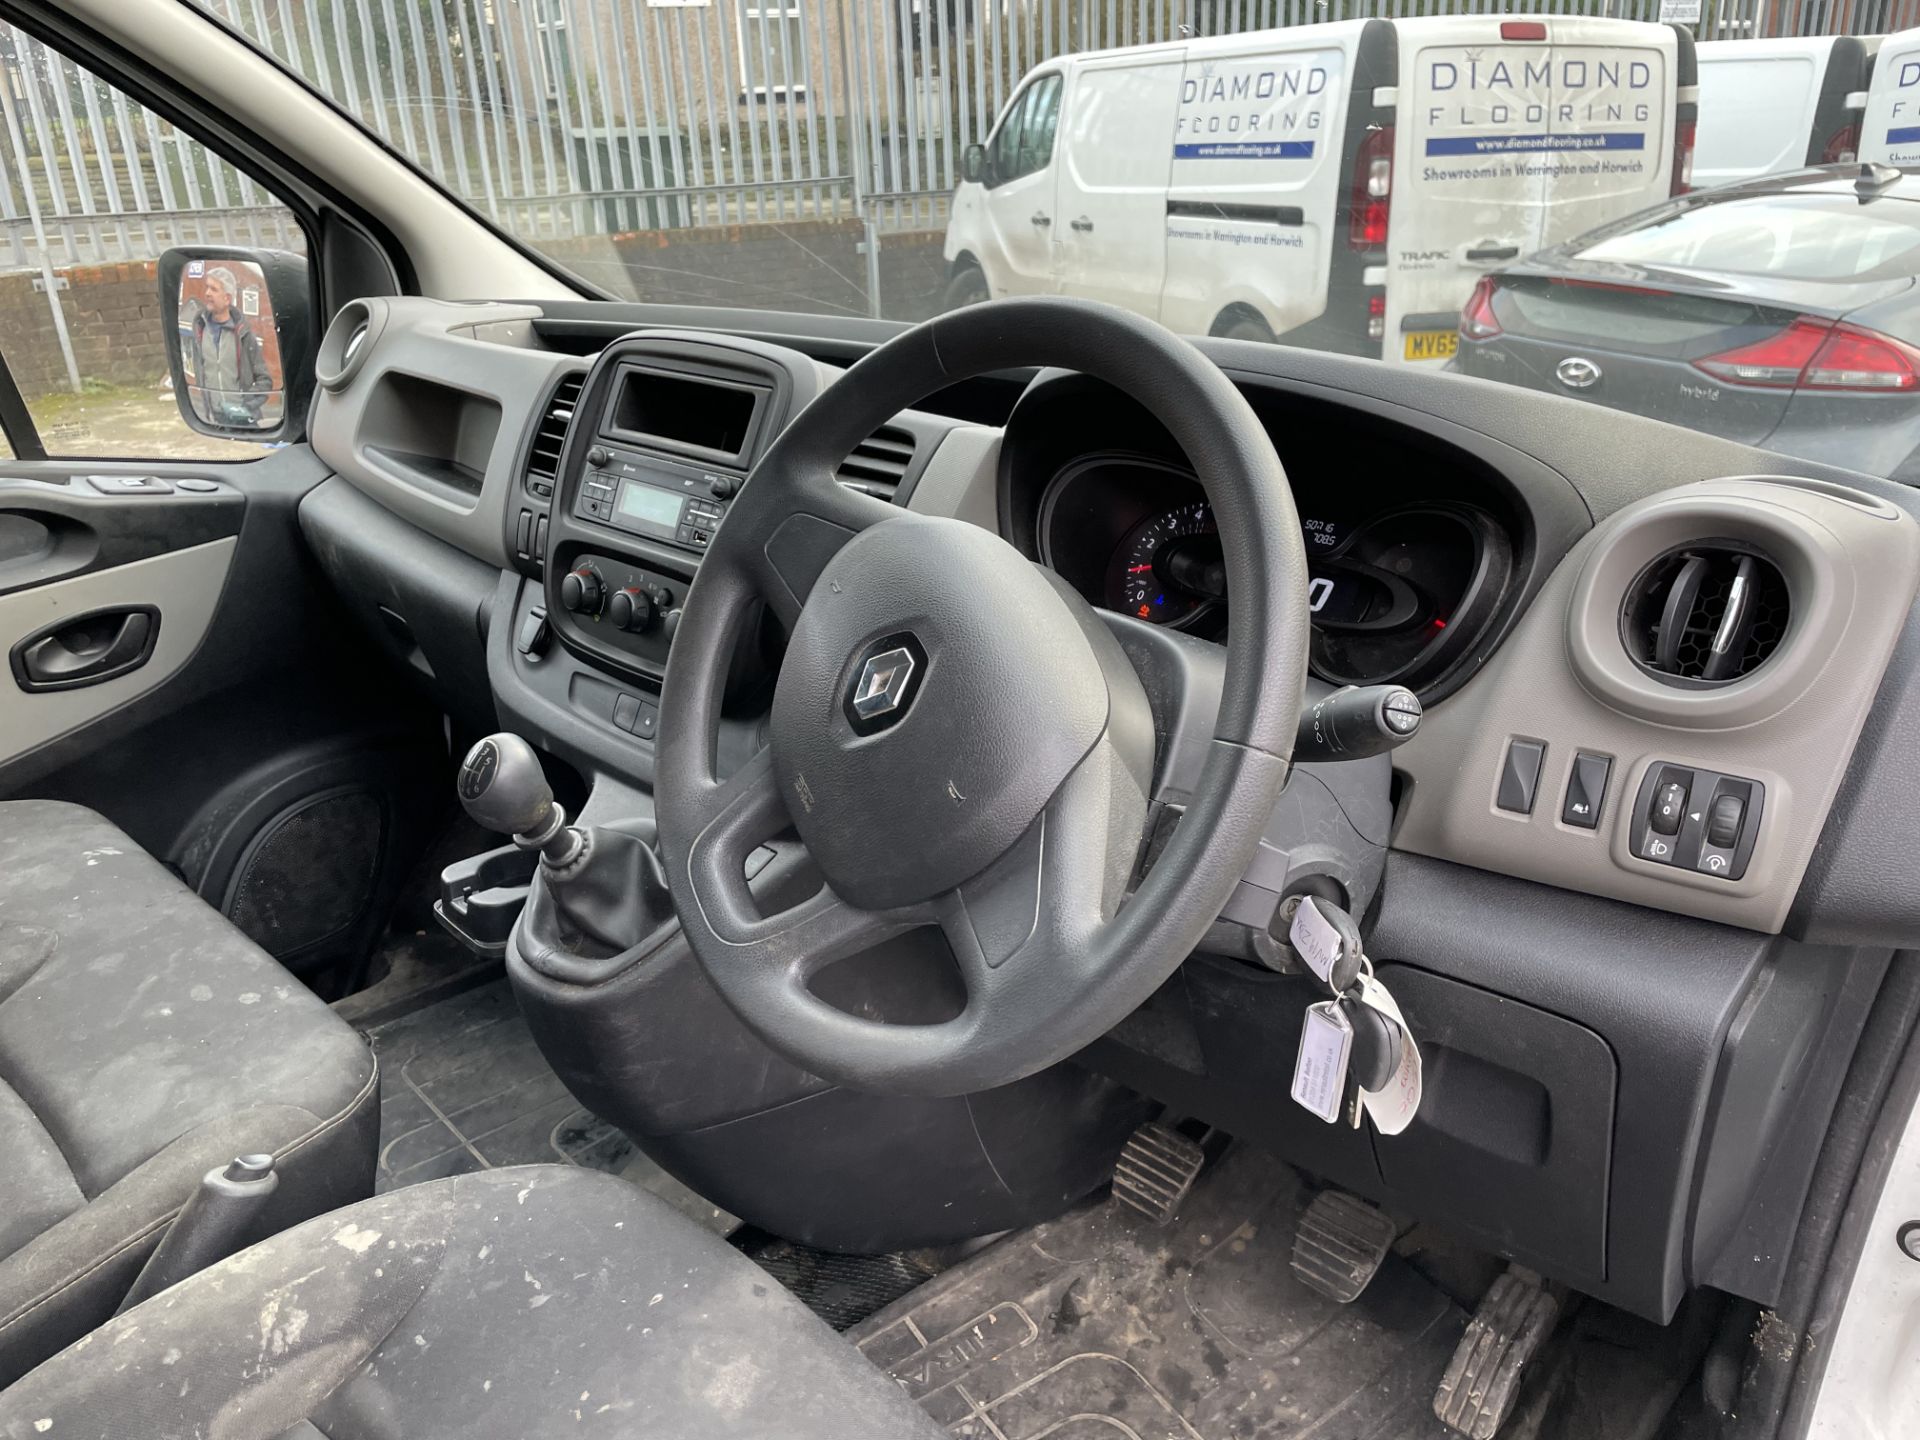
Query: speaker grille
310	874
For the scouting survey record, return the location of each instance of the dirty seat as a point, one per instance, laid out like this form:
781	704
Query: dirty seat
143	1040
543	1300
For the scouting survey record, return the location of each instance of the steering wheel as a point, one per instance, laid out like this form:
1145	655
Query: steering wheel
957	738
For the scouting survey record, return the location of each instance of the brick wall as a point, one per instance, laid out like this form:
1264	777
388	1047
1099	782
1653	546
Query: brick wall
803	265
113	319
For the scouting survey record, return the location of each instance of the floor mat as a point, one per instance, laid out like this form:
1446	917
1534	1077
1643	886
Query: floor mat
1100	1325
841	1289
464	1087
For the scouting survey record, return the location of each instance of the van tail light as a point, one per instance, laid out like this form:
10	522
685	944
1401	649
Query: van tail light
1372	191
1817	355
1844	147
1477	320
1683	137
1523	29
1376	316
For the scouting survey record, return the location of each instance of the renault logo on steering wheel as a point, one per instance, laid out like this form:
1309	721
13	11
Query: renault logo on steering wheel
885	683
1576	372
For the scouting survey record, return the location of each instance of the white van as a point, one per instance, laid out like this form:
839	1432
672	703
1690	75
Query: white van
1773	105
1890	128
1338	186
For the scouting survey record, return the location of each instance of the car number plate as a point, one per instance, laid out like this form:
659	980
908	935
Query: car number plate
1432	344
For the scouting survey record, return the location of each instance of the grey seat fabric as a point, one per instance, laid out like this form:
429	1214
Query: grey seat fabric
143	1041
543	1300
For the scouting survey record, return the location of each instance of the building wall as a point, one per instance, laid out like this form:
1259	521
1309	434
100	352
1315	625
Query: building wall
113	318
814	266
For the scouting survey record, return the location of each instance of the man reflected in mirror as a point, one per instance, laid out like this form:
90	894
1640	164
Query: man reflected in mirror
226	363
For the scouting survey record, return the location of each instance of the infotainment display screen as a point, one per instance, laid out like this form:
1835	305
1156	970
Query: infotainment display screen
683	410
648	505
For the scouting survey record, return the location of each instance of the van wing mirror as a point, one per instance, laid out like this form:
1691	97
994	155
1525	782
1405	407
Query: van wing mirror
239	337
973	163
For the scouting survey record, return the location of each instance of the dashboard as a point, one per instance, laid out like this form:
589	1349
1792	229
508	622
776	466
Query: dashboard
1626	879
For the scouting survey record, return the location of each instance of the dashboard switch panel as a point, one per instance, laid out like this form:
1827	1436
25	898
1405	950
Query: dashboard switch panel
1520	776
1698	820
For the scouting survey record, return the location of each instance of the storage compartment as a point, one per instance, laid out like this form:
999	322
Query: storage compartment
684	412
1511	1143
481	897
430	435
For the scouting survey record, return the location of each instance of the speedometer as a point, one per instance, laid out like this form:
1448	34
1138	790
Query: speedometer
1167	569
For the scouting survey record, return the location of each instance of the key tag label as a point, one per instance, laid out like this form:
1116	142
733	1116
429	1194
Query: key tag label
1320	1072
1314	936
1394	1107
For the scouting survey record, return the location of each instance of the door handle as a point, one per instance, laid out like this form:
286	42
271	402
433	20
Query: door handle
1083	224
86	649
1481	254
1042	221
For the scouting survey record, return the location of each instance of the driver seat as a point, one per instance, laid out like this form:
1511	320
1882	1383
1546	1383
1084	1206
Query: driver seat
532	1301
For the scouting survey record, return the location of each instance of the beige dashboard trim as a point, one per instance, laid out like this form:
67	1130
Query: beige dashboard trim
183	585
1792	725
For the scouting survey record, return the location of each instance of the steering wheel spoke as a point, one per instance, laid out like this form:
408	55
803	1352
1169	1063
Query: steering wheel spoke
795	546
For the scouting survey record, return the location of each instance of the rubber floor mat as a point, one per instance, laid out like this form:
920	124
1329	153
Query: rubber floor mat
1100	1326
841	1289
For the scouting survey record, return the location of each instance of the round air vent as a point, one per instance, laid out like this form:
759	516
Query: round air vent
347	342
1705	614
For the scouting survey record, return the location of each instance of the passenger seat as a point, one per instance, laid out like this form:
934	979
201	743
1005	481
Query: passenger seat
144	1041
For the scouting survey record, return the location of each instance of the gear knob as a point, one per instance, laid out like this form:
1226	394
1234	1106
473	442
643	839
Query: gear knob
503	788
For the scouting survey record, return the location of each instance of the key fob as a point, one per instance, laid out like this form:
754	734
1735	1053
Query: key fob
1376	1045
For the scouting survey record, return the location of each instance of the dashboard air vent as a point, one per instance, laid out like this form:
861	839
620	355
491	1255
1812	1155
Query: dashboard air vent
1706	614
878	463
543	459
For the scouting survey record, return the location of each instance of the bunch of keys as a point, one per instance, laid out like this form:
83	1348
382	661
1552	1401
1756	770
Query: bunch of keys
1357	1056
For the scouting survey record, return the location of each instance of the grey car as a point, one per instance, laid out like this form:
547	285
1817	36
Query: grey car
1782	312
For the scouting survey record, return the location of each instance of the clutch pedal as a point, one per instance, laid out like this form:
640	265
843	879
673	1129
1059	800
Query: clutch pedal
1156	1171
1507	1330
1340	1244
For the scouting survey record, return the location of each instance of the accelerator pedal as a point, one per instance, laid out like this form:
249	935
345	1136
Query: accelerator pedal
1340	1244
1483	1379
1156	1171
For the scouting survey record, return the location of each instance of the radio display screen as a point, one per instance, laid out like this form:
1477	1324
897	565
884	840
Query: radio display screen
648	505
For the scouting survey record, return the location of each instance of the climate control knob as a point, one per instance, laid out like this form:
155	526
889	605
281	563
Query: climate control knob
581	591
631	609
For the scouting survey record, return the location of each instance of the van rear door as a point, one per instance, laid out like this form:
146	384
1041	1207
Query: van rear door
1773	105
1252	210
1758	100
1110	221
1890	130
1515	135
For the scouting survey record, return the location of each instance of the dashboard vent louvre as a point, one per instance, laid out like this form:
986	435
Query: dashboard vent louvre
550	435
1706	614
878	463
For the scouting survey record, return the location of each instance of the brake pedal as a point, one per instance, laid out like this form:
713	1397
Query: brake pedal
1507	1330
1340	1244
1156	1171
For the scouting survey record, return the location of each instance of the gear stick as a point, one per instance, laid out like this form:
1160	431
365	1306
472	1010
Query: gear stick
504	789
605	890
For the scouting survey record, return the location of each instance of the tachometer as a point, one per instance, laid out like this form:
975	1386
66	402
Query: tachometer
1167	569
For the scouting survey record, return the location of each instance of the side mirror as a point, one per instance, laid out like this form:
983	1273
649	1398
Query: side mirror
239	325
973	164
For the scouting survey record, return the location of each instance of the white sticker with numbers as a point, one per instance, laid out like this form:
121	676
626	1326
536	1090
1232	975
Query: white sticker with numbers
1313	935
1394	1107
1320	1074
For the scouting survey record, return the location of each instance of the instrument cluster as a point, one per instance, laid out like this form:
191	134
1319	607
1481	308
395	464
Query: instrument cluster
1396	594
